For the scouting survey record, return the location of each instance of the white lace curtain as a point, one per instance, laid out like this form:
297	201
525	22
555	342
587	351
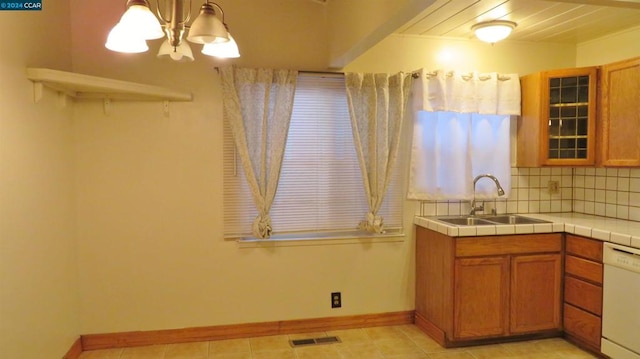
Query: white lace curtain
258	104
377	104
461	130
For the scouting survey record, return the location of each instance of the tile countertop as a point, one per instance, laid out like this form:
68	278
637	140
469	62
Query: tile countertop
605	229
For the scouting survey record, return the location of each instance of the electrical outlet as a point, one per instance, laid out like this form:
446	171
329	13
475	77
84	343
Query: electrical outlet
553	187
336	300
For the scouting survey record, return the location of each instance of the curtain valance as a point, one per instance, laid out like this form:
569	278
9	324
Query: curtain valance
467	92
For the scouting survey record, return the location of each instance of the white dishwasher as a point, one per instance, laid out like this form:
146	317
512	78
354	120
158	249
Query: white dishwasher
621	302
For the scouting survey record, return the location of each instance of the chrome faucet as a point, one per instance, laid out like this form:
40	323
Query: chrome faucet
475	208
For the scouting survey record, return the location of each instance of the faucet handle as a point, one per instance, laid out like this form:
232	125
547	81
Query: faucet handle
475	208
490	207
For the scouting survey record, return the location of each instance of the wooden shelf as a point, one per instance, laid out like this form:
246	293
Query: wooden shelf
81	86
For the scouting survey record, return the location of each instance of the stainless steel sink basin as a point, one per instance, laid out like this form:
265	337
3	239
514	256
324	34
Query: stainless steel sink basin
514	219
469	220
466	221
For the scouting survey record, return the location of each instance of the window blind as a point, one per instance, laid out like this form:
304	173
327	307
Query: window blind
320	188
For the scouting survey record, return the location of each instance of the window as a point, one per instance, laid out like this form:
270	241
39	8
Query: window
462	130
320	188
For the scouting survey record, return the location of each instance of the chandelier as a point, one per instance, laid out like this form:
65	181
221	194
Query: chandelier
138	24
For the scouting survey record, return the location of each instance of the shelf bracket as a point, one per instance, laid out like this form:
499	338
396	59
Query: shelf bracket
165	108
38	88
107	106
62	99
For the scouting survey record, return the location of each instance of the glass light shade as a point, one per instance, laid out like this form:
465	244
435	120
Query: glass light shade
142	22
227	49
207	28
181	53
121	40
493	31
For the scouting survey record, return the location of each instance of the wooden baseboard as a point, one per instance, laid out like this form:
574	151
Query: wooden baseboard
234	331
75	350
431	330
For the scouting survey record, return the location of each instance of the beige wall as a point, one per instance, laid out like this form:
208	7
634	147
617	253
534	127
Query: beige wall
152	256
38	269
616	47
150	227
149	197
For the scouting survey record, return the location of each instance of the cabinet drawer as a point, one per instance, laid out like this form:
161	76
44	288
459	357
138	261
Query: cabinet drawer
516	244
584	247
583	295
583	325
584	269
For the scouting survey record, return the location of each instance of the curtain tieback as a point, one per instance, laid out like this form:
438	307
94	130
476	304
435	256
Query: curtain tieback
262	226
373	223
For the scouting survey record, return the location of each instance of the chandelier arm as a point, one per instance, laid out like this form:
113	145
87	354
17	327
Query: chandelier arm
188	17
219	8
159	12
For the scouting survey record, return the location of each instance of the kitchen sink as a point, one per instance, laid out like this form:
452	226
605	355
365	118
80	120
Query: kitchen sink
514	219
468	220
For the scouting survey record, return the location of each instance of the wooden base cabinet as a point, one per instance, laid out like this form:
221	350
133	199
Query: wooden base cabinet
471	290
583	291
535	292
481	295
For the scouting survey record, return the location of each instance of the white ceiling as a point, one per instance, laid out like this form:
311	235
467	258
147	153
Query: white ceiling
564	21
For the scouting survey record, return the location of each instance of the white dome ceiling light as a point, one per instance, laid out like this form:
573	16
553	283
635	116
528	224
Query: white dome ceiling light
493	31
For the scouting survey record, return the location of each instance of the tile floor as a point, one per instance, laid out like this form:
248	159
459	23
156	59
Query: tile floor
391	342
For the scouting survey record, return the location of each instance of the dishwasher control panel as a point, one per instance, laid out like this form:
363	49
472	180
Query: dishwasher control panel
622	256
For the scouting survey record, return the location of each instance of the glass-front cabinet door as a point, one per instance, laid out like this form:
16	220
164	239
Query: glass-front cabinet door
558	121
571	113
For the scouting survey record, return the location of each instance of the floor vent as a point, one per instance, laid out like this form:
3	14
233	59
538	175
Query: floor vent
314	341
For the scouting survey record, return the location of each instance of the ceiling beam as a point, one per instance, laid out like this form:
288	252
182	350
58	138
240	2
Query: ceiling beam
395	21
628	4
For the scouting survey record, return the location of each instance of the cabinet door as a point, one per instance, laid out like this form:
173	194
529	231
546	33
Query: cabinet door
569	117
583	325
481	297
558	121
620	113
535	293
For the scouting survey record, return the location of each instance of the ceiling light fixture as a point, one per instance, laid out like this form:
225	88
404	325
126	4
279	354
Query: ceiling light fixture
493	31
138	24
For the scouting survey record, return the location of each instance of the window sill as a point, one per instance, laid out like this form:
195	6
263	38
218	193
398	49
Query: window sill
322	239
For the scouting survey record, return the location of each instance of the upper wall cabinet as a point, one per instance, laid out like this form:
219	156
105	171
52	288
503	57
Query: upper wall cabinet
558	122
619	125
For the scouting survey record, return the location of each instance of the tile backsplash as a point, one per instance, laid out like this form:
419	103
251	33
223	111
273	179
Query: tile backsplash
607	192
